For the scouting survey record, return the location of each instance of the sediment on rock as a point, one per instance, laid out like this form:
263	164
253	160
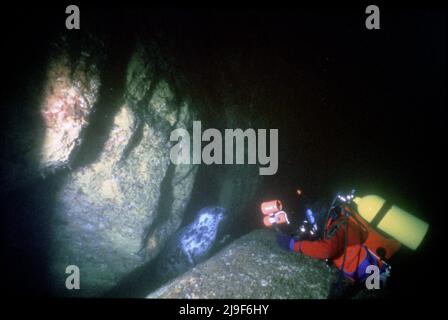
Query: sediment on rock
253	267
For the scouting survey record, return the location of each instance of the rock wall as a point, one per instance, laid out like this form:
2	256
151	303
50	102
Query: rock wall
105	208
117	196
89	161
253	267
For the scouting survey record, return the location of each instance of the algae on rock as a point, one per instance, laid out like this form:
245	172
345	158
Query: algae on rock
253	267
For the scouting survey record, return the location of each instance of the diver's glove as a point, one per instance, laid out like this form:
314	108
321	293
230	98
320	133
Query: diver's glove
283	240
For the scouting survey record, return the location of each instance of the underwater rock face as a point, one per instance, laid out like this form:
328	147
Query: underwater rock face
110	206
104	208
187	247
253	267
70	94
239	182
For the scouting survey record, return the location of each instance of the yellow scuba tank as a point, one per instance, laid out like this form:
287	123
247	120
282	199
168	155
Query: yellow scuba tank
404	227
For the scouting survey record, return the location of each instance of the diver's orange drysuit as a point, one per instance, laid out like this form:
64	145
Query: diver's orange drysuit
365	247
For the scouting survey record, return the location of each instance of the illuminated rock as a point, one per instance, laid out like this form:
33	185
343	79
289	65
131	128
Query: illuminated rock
71	91
131	191
253	267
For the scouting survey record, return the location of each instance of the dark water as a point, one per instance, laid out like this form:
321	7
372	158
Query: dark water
354	108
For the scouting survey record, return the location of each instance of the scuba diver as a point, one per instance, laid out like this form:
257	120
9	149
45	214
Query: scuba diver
352	233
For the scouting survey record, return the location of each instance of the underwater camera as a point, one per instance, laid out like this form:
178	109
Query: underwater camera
276	217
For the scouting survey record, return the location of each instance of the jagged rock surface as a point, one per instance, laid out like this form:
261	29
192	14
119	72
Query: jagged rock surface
89	161
253	267
104	208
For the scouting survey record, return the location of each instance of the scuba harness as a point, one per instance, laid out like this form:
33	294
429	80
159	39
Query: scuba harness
342	208
330	230
321	224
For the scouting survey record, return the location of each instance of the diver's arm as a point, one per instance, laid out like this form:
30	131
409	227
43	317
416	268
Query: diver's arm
318	249
329	248
283	241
